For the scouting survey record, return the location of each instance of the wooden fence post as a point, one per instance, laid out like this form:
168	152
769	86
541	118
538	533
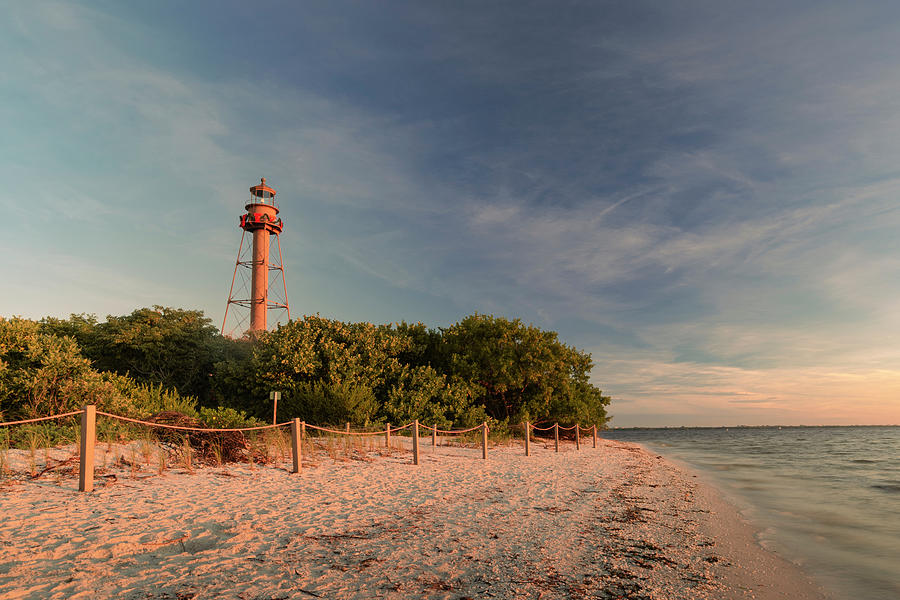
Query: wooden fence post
527	438
595	435
416	442
484	431
296	448
434	436
577	436
556	435
302	430
88	438
387	436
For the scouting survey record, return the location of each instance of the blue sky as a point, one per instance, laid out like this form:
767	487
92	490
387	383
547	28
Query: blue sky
704	195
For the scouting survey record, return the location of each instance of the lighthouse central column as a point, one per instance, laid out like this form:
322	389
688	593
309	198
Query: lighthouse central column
259	281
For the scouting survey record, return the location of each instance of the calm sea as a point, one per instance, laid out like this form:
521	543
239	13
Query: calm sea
827	498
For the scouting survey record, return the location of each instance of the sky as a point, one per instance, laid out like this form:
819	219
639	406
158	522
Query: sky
701	194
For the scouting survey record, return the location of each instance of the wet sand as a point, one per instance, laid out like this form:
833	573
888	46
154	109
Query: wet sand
613	522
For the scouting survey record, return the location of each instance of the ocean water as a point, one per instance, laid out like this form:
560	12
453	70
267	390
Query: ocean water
827	498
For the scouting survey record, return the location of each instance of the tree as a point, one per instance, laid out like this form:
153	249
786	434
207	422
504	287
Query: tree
520	372
171	347
44	374
423	347
80	327
233	382
315	348
423	393
316	361
329	404
482	367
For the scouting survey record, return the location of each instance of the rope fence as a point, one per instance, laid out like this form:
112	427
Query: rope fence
38	419
182	428
298	429
456	431
348	432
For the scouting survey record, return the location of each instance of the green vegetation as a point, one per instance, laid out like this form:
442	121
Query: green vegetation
164	346
482	368
43	373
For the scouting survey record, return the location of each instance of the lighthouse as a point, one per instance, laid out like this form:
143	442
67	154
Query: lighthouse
257	270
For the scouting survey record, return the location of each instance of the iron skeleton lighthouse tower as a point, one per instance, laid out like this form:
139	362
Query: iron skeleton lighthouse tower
262	222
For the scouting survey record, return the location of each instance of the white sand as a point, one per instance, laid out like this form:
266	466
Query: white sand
611	522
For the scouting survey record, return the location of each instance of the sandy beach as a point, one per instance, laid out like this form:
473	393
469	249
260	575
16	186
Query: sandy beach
612	522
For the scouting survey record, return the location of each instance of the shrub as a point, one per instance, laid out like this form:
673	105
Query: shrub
423	393
329	403
226	418
44	374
